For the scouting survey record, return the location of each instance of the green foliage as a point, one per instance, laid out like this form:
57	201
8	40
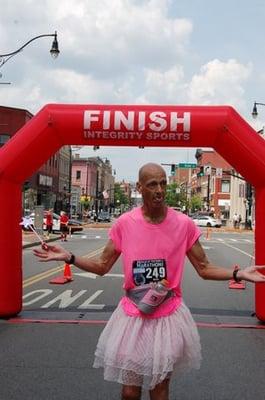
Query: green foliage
176	196
85	201
195	203
119	196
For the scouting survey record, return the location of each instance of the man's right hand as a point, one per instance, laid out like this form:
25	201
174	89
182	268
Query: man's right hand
50	253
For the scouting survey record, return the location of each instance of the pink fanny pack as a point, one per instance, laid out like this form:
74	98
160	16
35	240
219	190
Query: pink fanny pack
146	299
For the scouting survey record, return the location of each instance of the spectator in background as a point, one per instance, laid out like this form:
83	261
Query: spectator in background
235	220
239	220
49	222
63	226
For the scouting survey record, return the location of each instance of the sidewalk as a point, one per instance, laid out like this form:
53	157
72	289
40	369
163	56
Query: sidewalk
29	239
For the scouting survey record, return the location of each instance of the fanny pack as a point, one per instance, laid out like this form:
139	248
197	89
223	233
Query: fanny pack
137	293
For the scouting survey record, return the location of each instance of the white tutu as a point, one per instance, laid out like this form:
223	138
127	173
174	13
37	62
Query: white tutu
143	352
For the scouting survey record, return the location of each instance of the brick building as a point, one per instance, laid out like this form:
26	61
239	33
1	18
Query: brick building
215	188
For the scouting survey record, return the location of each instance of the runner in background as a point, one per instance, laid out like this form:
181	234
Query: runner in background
63	226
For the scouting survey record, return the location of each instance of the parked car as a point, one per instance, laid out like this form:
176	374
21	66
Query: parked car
206	220
104	216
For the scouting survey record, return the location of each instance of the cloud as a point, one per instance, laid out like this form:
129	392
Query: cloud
219	83
116	52
111	51
165	87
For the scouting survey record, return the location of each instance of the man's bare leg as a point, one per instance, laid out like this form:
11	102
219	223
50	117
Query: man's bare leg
131	392
161	391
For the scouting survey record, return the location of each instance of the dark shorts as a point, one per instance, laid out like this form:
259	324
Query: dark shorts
49	228
63	228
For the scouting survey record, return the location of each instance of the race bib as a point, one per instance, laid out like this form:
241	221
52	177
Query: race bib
147	271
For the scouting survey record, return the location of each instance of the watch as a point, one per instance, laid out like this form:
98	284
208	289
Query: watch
235	277
71	259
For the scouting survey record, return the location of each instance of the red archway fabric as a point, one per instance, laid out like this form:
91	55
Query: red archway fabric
219	127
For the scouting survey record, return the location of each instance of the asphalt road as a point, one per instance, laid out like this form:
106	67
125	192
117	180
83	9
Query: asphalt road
52	359
89	292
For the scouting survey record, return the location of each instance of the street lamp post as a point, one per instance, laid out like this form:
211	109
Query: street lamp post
54	51
249	193
255	110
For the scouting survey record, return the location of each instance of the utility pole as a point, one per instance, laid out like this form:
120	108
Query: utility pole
208	192
97	194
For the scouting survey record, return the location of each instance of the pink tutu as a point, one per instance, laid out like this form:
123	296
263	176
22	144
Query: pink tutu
143	352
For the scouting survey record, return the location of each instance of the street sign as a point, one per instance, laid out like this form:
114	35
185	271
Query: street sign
187	165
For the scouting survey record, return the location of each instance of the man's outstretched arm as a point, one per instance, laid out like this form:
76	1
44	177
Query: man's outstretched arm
207	270
99	266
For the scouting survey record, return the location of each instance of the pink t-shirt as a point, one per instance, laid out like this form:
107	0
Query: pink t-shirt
152	252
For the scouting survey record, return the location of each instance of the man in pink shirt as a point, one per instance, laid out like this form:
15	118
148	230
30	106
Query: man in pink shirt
137	349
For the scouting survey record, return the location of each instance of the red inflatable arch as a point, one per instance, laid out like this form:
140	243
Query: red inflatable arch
221	128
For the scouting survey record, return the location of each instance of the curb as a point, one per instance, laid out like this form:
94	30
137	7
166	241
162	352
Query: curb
37	243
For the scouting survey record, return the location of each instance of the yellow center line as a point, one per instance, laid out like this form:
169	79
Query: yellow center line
46	274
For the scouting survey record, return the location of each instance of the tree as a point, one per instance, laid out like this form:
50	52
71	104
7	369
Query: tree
175	197
119	196
85	202
195	203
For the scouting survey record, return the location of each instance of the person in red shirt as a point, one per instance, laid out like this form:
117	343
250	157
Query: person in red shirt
49	222
63	226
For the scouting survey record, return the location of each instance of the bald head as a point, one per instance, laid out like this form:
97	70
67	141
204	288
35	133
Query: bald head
148	170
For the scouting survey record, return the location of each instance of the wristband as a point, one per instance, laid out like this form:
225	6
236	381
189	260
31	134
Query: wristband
71	259
235	277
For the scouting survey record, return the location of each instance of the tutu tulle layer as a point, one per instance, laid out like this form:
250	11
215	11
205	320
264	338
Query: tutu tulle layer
143	352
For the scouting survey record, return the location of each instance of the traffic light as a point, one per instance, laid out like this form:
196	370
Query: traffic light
173	169
201	172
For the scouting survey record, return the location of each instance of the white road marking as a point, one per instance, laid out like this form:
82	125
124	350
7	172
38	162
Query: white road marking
36	295
86	275
87	303
94	276
239	250
64	299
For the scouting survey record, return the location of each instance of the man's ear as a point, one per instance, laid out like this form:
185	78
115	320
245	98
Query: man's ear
139	187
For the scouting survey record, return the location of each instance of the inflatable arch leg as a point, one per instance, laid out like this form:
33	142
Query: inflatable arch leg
11	249
259	250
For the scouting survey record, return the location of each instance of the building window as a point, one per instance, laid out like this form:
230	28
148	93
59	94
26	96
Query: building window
225	188
78	175
3	139
242	190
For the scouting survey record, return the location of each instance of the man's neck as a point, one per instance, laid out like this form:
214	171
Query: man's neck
154	215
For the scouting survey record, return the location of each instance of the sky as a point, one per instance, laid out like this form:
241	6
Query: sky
193	52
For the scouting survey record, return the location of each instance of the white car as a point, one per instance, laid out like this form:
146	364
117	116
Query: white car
205	220
76	226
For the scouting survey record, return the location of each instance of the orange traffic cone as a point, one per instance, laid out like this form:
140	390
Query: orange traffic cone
232	284
65	278
67	273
